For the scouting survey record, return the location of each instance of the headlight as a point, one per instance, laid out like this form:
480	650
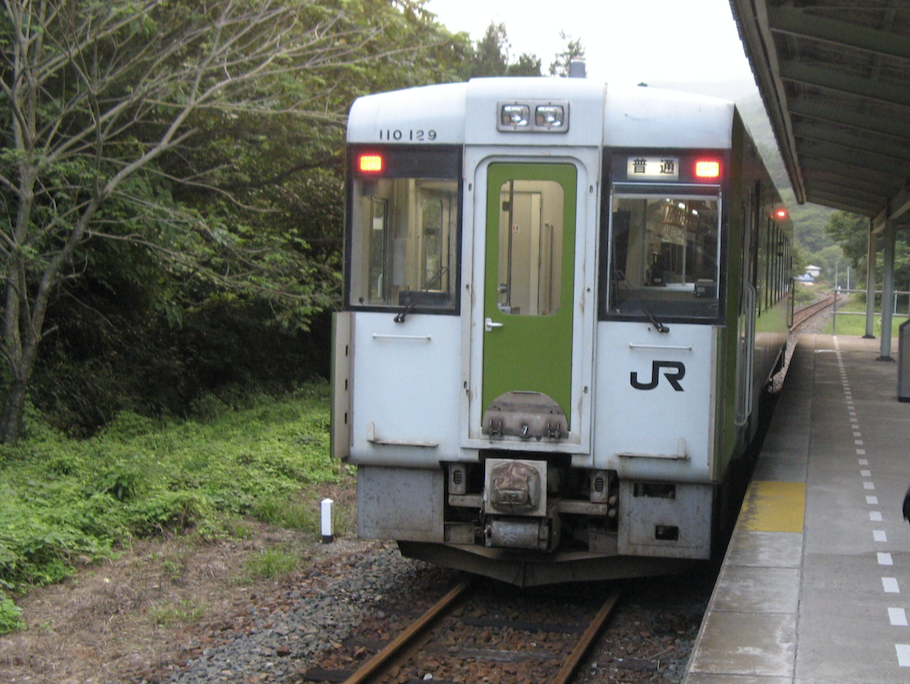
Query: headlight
518	116
548	116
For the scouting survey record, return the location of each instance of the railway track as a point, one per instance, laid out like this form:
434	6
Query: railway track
802	316
481	632
492	632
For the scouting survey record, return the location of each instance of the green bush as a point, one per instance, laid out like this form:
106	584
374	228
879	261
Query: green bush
36	548
169	511
10	616
65	502
803	295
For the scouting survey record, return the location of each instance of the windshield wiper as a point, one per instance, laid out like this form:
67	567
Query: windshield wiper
414	296
660	327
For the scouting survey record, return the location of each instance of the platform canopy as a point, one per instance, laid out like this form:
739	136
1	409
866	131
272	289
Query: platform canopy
835	79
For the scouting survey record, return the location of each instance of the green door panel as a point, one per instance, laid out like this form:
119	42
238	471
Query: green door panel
529	281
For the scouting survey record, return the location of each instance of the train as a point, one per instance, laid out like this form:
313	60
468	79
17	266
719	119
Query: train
562	303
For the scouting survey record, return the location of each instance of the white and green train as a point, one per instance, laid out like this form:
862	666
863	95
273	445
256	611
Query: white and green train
562	302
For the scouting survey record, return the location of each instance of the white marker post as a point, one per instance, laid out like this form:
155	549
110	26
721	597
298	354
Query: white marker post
328	521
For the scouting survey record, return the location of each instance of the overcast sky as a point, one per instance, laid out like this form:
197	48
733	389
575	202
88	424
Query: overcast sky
690	45
659	42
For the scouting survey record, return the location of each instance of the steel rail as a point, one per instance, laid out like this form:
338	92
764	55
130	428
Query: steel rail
802	315
587	639
387	654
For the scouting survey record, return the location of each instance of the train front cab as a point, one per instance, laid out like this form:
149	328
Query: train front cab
543	370
660	342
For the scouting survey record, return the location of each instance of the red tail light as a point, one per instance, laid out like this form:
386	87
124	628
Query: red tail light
707	168
370	163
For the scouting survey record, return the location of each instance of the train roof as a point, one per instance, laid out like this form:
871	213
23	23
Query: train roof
598	114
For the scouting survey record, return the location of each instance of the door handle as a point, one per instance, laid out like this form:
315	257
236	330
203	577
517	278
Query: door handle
488	324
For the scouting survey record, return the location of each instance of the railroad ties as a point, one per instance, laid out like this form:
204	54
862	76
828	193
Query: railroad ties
801	316
478	633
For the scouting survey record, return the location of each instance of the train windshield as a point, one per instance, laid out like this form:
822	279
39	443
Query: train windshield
664	257
403	229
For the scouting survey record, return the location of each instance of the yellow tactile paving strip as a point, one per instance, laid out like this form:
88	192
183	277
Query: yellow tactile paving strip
774	507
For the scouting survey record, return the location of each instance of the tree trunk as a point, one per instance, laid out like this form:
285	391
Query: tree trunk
23	321
13	403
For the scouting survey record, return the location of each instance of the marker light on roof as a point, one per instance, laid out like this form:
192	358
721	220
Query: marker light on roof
707	168
780	213
370	163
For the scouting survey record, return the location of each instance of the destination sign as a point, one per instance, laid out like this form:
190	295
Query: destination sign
653	168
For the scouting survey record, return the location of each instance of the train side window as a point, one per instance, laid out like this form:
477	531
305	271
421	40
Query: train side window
403	233
664	257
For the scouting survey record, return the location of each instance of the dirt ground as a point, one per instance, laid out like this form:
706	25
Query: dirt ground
157	604
160	603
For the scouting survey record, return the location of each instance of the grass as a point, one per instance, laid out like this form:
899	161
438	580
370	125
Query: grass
179	613
287	511
852	322
272	563
65	502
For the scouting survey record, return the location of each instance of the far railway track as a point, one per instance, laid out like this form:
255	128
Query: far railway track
484	633
801	316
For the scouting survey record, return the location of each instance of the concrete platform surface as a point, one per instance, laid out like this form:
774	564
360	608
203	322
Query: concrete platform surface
815	584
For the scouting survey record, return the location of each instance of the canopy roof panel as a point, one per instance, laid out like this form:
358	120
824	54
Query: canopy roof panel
835	79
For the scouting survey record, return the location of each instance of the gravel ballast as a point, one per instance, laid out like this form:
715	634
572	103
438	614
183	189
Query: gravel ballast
279	636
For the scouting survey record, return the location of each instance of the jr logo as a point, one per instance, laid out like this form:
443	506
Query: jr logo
676	373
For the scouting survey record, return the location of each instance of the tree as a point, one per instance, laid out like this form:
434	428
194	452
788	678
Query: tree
527	65
103	103
851	232
492	57
573	51
831	261
812	235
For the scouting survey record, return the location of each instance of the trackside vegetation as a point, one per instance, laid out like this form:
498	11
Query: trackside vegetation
169	170
66	503
171	178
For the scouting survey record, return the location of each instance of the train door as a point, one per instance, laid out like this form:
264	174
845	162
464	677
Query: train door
748	305
528	290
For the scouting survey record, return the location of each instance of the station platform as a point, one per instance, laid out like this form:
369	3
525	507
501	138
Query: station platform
815	583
